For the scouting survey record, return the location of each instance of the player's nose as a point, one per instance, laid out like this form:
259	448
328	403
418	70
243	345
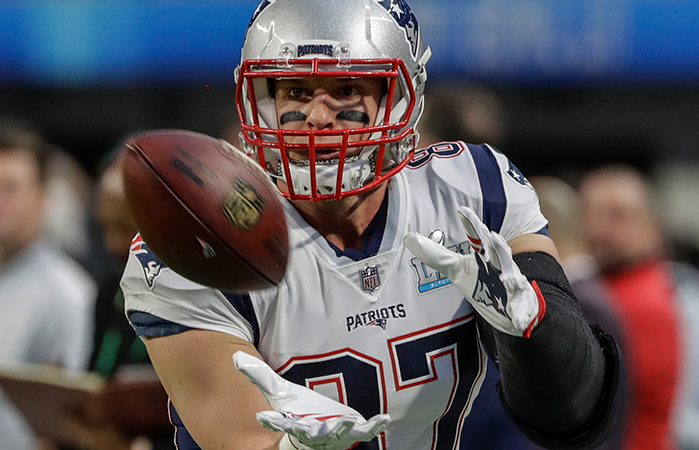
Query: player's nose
321	112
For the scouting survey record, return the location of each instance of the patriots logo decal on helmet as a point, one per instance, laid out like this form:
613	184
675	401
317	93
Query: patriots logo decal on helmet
405	18
151	264
263	4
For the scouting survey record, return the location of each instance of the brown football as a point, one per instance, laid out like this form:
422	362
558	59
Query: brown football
206	209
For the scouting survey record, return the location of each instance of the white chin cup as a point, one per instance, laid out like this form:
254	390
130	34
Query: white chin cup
354	175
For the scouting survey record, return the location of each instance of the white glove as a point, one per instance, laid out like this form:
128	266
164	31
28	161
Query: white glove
312	421
487	277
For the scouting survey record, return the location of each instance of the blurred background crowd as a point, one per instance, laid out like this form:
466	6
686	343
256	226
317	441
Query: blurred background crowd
596	102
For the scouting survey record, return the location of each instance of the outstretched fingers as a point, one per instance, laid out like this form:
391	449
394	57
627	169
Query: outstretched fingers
476	231
433	254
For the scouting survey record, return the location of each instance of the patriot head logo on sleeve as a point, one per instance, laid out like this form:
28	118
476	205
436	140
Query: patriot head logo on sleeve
151	264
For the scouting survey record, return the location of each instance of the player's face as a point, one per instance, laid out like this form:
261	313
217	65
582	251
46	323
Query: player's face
327	104
618	225
21	197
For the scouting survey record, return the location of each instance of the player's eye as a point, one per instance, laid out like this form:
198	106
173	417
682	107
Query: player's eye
296	92
349	90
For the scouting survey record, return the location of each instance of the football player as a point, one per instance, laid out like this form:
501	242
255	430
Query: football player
408	267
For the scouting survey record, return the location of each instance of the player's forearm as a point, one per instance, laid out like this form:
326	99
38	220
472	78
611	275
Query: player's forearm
552	380
214	400
557	381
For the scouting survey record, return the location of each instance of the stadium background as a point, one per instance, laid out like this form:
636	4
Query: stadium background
579	82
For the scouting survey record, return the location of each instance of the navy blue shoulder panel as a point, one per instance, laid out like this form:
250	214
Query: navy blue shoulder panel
243	304
544	231
183	440
490	179
149	325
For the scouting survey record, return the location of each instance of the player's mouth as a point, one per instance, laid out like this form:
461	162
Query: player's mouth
323	158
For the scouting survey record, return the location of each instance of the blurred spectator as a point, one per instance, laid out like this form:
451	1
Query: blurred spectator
561	205
115	341
457	111
678	187
68	193
687	411
626	241
46	298
116	347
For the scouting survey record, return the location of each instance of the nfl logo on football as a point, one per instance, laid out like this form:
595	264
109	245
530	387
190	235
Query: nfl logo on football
370	278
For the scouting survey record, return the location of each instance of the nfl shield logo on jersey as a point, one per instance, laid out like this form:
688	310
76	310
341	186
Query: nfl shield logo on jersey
370	278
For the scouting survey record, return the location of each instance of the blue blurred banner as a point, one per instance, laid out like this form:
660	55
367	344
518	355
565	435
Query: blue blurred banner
566	41
517	42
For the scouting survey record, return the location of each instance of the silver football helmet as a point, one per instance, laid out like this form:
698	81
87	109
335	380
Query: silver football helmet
289	39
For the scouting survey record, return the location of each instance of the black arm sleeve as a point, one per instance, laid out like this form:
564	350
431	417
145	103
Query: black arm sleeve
558	386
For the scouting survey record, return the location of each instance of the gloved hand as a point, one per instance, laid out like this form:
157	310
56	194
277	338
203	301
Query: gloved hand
486	275
311	420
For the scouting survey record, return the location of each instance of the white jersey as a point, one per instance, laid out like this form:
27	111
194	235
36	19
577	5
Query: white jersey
382	333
